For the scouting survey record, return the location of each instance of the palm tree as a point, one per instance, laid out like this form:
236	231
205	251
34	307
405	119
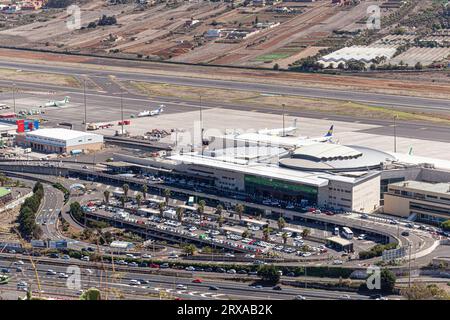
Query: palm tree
285	237
162	207
245	234
125	189
266	233
281	223
306	232
138	200
166	193
239	208
106	194
144	191
220	221
122	201
201	208
219	210
180	214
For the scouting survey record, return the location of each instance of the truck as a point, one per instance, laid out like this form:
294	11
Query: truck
75	152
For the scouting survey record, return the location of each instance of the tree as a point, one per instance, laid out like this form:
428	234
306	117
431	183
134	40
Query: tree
180	214
91	294
161	207
144	191
285	237
281	223
387	279
106	194
446	225
201	208
306	232
75	211
239	208
220	221
266	233
246	234
166	193
219	210
190	249
422	291
139	200
123	199
125	189
418	66
276	67
269	273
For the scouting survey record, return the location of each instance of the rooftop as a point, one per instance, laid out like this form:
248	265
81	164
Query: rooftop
442	188
59	133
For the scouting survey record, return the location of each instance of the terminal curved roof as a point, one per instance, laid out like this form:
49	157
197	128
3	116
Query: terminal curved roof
335	158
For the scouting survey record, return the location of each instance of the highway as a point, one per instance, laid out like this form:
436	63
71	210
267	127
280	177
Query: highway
119	282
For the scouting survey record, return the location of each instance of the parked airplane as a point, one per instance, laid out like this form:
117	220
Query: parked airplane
327	137
56	103
151	113
289	131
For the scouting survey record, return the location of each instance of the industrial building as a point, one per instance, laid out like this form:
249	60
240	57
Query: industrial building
427	202
59	140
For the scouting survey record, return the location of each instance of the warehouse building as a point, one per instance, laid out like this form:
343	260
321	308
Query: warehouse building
427	202
59	140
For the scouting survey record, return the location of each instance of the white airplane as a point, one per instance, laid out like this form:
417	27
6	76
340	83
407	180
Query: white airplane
326	138
56	103
151	113
289	131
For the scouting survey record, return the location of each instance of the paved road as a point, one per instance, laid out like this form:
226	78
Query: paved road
339	94
164	283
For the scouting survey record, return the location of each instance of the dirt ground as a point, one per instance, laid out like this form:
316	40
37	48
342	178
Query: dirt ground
56	79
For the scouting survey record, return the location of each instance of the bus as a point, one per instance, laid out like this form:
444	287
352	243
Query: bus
347	233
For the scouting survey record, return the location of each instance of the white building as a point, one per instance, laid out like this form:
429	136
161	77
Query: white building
59	140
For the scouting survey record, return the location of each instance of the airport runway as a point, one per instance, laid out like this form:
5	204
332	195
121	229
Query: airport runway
378	99
105	106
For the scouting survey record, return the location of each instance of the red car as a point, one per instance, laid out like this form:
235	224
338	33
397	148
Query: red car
329	213
197	281
154	265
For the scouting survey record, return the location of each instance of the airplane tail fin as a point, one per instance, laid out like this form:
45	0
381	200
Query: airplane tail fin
330	132
66	99
410	151
295	123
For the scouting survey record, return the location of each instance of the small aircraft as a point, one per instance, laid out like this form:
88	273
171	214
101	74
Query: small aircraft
151	113
289	131
56	103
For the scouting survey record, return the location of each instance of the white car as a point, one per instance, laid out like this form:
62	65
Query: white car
181	287
62	275
146	256
134	282
50	272
336	262
20	262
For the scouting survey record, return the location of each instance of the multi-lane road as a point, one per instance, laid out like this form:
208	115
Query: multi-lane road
177	285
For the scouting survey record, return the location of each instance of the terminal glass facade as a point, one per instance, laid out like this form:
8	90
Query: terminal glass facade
278	189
